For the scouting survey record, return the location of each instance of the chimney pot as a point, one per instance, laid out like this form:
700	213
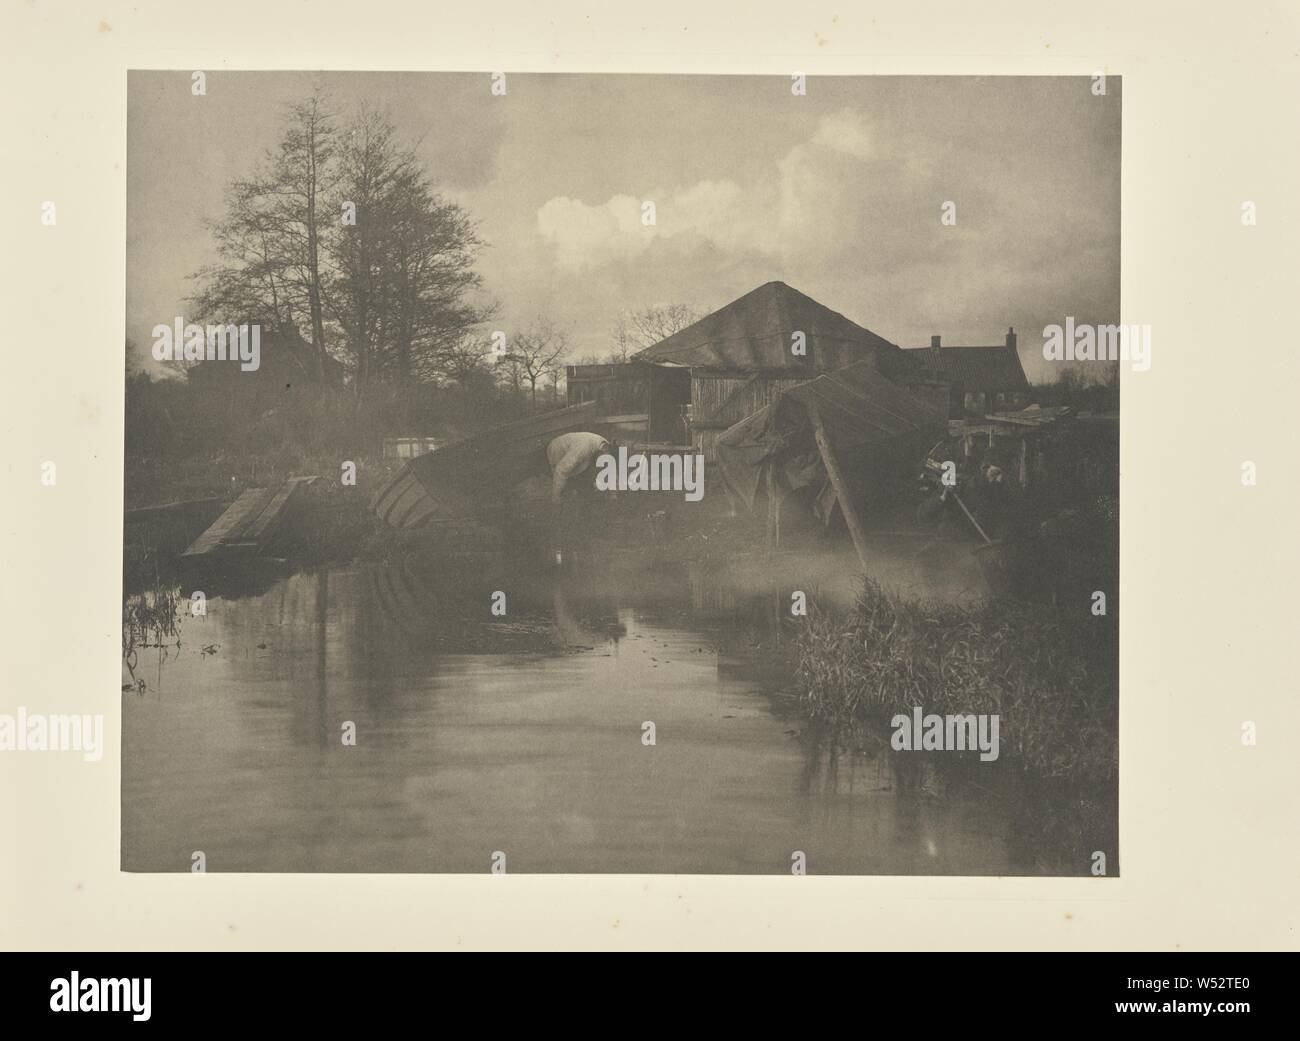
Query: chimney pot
1011	337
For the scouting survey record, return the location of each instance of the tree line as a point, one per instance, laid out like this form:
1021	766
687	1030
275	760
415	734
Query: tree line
340	235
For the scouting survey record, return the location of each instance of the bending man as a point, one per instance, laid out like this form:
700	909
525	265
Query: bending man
571	455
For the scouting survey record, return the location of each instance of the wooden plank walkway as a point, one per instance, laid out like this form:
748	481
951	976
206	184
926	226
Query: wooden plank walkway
249	523
168	510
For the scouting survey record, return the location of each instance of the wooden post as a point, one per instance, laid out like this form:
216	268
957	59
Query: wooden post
767	541
971	517
773	508
773	511
837	482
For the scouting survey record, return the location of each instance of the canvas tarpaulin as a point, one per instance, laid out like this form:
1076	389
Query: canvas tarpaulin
860	409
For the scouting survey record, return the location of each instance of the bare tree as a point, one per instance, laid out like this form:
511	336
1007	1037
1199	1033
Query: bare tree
254	278
535	352
368	170
636	330
405	270
273	235
302	179
342	228
622	336
465	361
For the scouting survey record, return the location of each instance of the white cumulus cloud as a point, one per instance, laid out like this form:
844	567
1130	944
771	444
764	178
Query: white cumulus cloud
798	202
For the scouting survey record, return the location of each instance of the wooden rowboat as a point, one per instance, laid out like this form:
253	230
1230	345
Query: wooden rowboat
458	479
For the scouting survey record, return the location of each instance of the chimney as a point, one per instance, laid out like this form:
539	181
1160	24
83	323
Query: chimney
1011	338
932	358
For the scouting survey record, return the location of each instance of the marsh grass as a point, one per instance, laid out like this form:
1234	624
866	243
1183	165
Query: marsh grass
151	619
1051	676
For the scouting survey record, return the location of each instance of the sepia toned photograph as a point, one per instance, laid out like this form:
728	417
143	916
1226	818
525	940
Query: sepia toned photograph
600	474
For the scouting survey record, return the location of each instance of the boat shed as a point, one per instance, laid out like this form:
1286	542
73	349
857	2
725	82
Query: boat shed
691	386
847	435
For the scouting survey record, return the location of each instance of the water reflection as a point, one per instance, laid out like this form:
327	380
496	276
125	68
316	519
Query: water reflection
522	733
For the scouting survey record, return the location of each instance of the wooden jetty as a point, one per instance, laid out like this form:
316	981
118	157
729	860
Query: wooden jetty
249	524
169	526
175	511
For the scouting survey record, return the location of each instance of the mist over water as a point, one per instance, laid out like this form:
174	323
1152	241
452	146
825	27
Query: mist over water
524	733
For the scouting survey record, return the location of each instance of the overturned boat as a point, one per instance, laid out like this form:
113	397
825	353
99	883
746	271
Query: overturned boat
461	478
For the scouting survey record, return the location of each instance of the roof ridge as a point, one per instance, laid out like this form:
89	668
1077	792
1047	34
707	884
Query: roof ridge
762	336
961	347
764	314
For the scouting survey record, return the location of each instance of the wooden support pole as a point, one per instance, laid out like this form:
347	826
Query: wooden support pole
773	508
771	505
971	517
837	482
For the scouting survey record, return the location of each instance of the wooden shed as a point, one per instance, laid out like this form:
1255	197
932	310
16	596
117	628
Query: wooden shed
690	387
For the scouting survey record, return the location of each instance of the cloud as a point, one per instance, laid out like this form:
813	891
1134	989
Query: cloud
849	211
796	203
843	131
585	234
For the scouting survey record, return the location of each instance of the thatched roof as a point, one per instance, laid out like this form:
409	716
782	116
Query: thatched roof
755	332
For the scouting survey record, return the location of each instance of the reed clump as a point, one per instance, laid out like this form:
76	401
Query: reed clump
1051	676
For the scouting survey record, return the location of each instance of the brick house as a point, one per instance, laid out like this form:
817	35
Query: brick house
982	379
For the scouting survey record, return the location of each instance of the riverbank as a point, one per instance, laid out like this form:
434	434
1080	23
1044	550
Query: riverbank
332	523
1050	674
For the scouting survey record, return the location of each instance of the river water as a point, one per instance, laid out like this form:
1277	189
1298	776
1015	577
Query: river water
478	735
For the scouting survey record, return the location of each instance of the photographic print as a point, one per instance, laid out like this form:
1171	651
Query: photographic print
600	473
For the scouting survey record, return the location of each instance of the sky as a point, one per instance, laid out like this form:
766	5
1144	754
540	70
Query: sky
838	192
